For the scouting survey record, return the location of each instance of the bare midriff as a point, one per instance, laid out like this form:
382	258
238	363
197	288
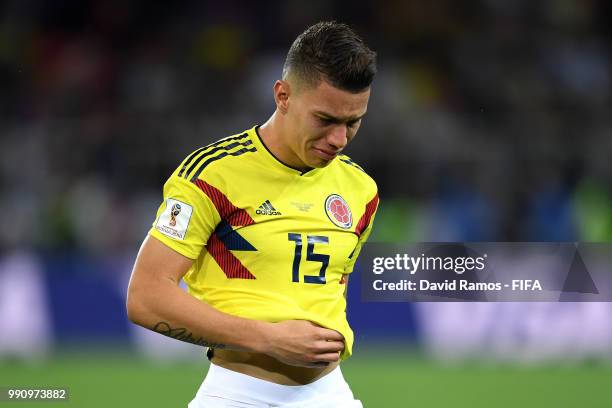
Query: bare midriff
268	368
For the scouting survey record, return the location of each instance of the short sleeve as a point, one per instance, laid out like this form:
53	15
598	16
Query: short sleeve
185	219
363	229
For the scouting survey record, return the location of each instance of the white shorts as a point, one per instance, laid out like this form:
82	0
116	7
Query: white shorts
225	388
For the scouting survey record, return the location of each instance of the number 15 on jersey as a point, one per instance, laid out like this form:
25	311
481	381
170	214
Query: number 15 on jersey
311	256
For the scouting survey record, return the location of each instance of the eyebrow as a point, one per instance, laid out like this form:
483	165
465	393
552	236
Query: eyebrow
327	116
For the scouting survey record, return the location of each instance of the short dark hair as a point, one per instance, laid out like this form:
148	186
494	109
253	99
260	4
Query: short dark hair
333	52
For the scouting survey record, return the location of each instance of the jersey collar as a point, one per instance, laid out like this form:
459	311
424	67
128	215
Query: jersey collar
274	161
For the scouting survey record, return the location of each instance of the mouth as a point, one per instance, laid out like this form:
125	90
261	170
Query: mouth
325	154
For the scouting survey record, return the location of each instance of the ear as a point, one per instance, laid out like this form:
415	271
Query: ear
282	91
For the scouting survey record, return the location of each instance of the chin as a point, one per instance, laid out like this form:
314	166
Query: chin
313	160
318	163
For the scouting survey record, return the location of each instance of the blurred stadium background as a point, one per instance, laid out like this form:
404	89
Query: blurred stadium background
489	121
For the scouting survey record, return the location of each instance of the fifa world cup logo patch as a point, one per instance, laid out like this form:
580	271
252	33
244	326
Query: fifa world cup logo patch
338	211
174	212
174	220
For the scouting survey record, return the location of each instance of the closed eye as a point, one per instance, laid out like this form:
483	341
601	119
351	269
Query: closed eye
327	121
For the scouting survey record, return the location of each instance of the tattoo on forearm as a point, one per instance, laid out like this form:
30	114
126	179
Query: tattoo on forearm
180	333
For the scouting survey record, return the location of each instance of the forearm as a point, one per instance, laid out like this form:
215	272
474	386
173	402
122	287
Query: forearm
156	302
166	309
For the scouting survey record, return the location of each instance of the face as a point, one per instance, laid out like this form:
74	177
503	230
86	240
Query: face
321	121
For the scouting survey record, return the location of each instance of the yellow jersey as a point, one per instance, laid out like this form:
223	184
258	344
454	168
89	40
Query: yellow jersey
269	242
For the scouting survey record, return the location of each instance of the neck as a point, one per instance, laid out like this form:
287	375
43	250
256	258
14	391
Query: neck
272	135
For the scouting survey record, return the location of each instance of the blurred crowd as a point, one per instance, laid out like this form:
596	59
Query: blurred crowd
489	120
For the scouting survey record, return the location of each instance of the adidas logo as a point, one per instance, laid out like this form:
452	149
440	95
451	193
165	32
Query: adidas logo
267	209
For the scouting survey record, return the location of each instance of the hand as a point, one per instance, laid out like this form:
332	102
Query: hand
303	343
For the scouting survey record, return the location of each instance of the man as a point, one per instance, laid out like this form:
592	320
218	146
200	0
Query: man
264	227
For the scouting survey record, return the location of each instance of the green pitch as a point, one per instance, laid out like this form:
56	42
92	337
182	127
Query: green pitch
120	379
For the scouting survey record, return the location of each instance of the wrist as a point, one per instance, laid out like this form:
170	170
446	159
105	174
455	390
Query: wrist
257	339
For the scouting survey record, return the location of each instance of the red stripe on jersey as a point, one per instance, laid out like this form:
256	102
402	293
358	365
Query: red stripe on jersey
364	221
229	264
229	212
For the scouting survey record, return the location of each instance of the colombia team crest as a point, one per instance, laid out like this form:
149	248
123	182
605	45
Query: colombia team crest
338	211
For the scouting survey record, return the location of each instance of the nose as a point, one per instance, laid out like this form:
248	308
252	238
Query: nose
337	136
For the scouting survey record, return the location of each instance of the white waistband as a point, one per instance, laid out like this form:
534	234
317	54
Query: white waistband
227	382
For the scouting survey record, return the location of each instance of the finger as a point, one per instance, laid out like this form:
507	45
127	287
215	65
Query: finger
327	357
319	364
329	346
327	334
